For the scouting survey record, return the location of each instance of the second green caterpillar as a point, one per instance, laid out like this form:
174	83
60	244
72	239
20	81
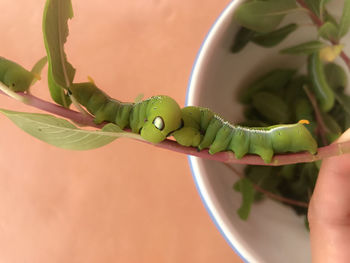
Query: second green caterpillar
160	116
204	129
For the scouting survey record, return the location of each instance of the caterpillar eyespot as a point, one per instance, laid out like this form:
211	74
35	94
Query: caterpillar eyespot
160	116
158	123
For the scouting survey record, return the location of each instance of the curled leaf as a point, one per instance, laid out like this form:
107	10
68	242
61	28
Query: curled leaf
320	86
55	30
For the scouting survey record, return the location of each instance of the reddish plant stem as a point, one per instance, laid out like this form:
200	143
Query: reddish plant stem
269	194
321	126
75	116
226	157
346	59
315	19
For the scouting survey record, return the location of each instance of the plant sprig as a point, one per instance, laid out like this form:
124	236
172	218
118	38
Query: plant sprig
226	157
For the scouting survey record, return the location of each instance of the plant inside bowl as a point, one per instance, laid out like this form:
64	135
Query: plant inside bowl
316	95
259	69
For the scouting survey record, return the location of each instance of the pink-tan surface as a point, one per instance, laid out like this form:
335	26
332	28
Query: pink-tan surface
127	201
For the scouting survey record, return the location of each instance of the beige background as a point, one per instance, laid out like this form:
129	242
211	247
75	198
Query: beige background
125	202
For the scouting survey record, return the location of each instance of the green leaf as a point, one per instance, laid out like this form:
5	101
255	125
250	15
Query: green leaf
55	31
274	80
247	190
329	31
37	68
242	38
263	16
304	48
336	76
344	23
275	37
57	92
294	89
271	107
316	6
62	133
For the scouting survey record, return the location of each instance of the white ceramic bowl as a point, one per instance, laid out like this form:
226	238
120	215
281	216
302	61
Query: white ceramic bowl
273	233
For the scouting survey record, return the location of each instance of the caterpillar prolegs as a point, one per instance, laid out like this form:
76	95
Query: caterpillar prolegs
204	129
160	116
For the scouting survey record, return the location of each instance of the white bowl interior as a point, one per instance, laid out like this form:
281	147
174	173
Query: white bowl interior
273	232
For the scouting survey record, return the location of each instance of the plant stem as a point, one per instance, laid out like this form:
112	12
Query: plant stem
267	193
315	19
226	157
75	116
321	126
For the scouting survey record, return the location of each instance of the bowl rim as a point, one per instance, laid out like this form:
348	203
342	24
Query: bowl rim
191	89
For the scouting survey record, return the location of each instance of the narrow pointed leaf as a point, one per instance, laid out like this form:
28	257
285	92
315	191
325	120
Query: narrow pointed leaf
304	48
344	23
37	68
248	193
61	133
275	37
55	31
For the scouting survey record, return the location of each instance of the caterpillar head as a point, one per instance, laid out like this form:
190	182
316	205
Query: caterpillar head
163	117
18	79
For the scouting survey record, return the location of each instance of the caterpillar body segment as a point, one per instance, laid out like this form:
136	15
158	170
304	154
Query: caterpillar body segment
218	135
154	118
15	76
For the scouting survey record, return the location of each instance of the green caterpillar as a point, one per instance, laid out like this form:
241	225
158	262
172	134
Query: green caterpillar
155	118
204	129
15	76
160	116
